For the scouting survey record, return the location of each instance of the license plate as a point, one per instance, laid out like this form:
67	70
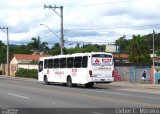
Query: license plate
102	79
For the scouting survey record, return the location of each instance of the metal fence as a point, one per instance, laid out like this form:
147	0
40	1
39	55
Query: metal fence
136	74
133	74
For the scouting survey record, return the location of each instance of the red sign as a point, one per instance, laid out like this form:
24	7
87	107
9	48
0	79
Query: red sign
74	70
13	68
59	72
96	61
106	60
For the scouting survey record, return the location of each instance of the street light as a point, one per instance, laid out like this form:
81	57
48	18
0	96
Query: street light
61	40
153	48
2	28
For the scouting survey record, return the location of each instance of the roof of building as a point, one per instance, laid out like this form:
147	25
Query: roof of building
120	56
28	57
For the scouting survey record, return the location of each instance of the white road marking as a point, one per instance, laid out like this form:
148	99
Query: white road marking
24	97
112	93
96	113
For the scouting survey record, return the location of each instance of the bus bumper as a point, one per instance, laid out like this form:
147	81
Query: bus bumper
102	80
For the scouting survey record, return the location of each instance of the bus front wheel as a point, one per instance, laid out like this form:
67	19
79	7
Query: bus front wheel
46	80
69	81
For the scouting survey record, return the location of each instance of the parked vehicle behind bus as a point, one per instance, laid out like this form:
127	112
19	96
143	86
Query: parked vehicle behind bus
79	68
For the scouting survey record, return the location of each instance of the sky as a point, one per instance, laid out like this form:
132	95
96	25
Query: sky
85	21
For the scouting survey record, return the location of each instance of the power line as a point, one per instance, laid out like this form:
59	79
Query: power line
99	4
121	27
83	42
47	36
61	17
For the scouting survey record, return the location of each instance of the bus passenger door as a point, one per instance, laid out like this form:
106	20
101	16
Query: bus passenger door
40	71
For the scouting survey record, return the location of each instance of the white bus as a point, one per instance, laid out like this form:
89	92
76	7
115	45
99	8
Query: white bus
78	68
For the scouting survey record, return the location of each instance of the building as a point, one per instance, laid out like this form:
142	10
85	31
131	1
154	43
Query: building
26	61
122	58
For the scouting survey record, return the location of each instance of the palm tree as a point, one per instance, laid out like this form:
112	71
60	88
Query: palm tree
36	44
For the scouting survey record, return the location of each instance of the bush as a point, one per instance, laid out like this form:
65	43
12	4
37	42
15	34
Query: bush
27	73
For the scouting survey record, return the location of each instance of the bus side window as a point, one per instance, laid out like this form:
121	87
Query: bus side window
63	63
84	61
56	63
45	63
50	63
70	62
40	66
77	62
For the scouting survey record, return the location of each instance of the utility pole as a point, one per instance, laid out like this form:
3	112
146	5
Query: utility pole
153	47
8	67
61	16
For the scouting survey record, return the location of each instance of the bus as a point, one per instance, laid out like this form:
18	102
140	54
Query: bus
78	68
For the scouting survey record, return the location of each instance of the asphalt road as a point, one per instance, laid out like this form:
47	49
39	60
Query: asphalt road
33	96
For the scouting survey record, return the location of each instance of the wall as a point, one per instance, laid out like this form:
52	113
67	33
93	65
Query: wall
156	76
123	72
14	61
2	69
133	74
15	67
28	66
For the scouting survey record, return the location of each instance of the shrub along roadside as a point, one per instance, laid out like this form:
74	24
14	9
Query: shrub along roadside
27	73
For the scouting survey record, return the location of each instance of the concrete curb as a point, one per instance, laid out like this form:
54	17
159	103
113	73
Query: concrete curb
126	84
19	78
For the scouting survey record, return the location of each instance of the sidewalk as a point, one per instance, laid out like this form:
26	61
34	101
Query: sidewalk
127	84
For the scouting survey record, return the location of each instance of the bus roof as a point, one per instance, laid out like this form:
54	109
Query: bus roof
75	54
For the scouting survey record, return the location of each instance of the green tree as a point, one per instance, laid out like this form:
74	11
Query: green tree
123	44
2	52
55	50
139	51
91	48
84	48
158	52
149	38
20	49
38	45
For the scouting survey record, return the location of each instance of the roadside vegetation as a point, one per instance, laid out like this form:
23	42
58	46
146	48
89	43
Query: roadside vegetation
27	73
138	48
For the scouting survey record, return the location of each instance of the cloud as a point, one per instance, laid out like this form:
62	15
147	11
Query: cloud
81	18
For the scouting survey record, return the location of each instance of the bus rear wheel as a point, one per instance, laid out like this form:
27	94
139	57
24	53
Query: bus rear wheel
89	85
46	80
69	81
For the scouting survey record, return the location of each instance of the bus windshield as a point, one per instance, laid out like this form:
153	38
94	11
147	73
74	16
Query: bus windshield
102	59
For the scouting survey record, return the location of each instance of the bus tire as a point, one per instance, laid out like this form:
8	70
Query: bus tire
89	85
46	80
69	81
